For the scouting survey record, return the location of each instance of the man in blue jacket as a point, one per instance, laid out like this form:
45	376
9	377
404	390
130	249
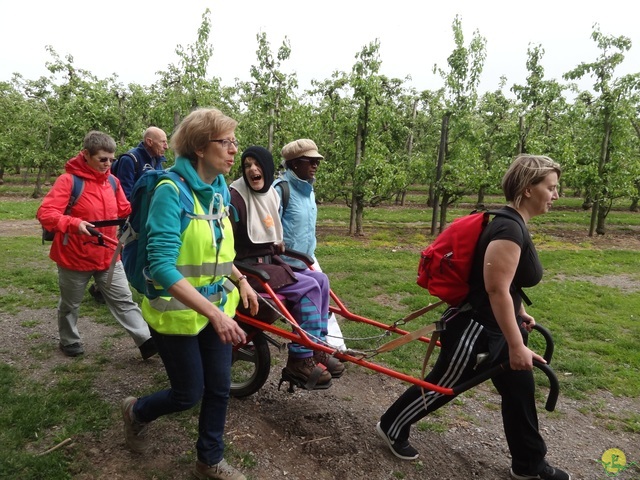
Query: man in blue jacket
149	154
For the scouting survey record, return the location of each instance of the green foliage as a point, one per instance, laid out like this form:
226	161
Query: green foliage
378	135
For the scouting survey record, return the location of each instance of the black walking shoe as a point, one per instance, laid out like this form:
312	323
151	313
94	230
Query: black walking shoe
400	448
148	349
549	473
96	294
72	350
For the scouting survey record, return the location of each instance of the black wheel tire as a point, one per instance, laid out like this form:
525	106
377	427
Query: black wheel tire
250	367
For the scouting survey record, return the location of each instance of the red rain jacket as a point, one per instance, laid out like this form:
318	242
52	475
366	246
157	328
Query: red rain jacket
97	202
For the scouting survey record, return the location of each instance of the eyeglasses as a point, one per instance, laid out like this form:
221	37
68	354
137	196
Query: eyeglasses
227	143
106	159
312	161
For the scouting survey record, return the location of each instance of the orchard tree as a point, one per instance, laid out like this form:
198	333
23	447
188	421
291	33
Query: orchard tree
23	125
497	123
607	112
458	157
633	113
184	87
61	109
268	98
376	166
541	103
334	109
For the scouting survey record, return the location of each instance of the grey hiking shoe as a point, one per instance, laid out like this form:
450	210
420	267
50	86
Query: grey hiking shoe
400	448
135	432
220	471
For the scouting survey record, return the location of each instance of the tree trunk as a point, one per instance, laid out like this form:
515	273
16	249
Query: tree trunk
354	195
594	216
521	136
37	191
359	217
598	212
443	212
480	199
634	199
271	133
601	227
176	118
442	151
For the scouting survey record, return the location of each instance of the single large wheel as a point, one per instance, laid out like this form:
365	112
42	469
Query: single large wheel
250	366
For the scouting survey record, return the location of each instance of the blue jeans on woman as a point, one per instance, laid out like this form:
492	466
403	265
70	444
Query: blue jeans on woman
199	368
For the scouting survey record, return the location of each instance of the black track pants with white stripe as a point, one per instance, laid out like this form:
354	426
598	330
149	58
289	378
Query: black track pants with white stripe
462	341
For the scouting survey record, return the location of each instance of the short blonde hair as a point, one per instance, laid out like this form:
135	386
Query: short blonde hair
524	171
197	128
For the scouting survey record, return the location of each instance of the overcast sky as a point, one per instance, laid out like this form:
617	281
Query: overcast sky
136	38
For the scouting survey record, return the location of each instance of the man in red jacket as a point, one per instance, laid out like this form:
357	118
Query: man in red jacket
78	255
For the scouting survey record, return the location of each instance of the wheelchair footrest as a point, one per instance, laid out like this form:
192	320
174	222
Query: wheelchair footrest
295	381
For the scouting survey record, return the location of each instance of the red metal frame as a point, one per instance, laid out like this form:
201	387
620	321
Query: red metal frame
300	337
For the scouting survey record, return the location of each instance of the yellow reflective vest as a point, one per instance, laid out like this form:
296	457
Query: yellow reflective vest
207	268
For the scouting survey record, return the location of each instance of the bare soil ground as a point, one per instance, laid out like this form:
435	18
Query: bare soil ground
315	435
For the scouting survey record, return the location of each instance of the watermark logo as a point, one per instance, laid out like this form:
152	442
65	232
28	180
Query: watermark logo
614	462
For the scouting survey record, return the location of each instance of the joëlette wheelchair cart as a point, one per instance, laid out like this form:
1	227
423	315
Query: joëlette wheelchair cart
252	359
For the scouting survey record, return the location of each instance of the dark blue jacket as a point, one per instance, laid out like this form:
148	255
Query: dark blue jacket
129	170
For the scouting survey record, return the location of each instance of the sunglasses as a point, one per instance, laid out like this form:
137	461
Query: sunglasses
106	159
312	161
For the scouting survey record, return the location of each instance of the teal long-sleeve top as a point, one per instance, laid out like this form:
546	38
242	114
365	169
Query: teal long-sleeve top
165	216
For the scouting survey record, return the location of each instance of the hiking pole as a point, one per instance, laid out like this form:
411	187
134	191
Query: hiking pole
101	237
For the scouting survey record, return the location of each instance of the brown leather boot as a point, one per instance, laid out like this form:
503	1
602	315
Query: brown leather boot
307	371
335	366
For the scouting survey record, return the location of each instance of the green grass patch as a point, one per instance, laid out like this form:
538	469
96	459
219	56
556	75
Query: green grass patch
593	319
19	208
34	417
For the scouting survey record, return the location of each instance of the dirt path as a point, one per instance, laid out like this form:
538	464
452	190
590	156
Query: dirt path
311	435
316	435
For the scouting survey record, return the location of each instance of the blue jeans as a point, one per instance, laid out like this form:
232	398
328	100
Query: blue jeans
198	367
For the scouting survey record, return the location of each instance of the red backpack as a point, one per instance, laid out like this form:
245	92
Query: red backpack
445	265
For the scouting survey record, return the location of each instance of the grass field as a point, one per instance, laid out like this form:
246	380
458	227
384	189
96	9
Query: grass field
588	299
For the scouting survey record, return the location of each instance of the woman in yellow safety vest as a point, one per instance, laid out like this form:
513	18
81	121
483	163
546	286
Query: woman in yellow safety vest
192	268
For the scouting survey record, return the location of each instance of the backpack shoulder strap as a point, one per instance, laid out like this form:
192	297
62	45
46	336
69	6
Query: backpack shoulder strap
136	163
76	191
513	216
284	194
184	192
113	183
